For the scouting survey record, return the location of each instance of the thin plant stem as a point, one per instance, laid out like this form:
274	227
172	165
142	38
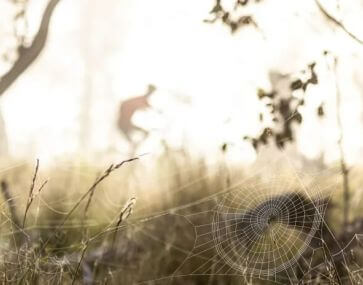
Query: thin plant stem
80	262
343	165
31	190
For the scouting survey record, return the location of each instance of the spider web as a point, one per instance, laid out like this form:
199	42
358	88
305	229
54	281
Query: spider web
268	226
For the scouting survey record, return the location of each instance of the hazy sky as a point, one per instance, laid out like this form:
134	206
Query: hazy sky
206	78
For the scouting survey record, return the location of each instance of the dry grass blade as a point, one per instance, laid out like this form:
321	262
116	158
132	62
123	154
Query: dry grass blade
30	196
85	246
87	206
30	201
83	197
88	192
95	184
124	214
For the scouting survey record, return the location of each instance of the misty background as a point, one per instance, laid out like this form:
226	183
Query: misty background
100	53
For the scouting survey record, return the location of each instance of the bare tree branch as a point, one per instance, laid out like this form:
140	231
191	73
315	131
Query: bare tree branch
338	23
27	55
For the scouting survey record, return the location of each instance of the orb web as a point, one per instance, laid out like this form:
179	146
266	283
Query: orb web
263	229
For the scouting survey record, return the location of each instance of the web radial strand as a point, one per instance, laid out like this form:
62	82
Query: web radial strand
263	229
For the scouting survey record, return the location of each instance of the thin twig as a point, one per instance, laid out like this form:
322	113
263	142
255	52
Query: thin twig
343	165
338	23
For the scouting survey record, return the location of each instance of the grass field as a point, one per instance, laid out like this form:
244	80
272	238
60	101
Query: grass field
148	221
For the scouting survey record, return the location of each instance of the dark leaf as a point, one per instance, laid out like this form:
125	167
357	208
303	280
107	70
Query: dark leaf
255	144
242	2
217	8
224	147
297	84
321	112
298	117
225	18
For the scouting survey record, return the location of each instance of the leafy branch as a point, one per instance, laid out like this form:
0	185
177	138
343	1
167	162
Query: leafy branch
226	17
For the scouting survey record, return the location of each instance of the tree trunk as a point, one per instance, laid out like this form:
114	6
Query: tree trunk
27	55
4	148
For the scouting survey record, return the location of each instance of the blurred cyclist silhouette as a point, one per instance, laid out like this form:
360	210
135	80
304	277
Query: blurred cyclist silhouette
127	111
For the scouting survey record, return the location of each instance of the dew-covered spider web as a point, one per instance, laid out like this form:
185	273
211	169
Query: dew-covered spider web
262	229
265	227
